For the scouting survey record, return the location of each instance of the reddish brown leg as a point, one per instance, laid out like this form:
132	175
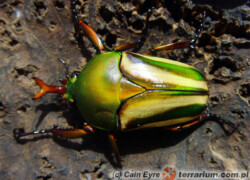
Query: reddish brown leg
172	46
92	36
167	47
72	133
89	32
48	89
125	47
208	117
137	45
180	127
115	149
66	133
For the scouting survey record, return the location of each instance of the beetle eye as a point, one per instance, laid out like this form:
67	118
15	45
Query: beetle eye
73	76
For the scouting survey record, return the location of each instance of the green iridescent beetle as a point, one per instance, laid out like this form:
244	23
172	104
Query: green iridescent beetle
115	90
122	91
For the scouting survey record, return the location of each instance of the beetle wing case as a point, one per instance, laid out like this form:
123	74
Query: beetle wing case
161	74
175	92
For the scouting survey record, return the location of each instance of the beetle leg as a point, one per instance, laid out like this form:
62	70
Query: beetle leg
89	32
127	46
208	117
229	129
72	133
167	47
92	36
181	127
66	133
172	46
115	149
138	44
48	89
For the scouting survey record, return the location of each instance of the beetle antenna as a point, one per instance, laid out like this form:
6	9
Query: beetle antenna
48	89
192	41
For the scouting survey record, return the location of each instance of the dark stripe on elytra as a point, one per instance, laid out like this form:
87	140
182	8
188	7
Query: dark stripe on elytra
179	112
175	92
175	69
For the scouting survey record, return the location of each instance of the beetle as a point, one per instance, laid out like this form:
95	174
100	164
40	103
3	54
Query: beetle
123	91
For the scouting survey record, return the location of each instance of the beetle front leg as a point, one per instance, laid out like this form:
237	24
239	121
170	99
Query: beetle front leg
92	36
89	32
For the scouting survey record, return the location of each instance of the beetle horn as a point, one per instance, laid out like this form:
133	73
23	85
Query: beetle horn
48	89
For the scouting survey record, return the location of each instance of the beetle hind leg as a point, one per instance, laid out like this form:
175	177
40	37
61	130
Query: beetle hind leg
228	129
183	126
227	126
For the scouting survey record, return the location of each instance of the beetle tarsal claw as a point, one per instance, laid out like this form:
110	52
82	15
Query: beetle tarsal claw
228	127
18	132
